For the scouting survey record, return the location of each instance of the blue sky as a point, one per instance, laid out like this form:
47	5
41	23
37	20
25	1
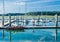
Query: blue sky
18	6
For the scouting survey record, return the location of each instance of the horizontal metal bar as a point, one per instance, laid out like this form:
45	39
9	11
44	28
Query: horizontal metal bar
33	28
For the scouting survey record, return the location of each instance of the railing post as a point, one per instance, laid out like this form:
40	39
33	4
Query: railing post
56	20
3	18
10	20
17	20
38	19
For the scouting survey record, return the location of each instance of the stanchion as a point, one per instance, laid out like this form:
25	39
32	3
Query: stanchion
33	24
10	20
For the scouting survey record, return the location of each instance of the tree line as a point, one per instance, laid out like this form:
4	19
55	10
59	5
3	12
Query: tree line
34	13
44	13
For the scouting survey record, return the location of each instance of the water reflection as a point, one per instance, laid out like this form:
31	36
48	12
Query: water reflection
28	35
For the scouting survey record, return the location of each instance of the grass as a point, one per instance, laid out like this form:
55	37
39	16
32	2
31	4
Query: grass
29	16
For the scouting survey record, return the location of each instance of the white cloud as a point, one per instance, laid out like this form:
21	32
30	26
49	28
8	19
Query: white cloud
41	1
19	3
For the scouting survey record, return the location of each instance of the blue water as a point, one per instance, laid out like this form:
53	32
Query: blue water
39	35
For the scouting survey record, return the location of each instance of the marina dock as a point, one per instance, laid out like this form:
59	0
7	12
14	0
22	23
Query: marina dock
29	21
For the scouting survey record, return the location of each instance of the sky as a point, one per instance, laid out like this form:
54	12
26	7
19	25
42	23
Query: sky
22	6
